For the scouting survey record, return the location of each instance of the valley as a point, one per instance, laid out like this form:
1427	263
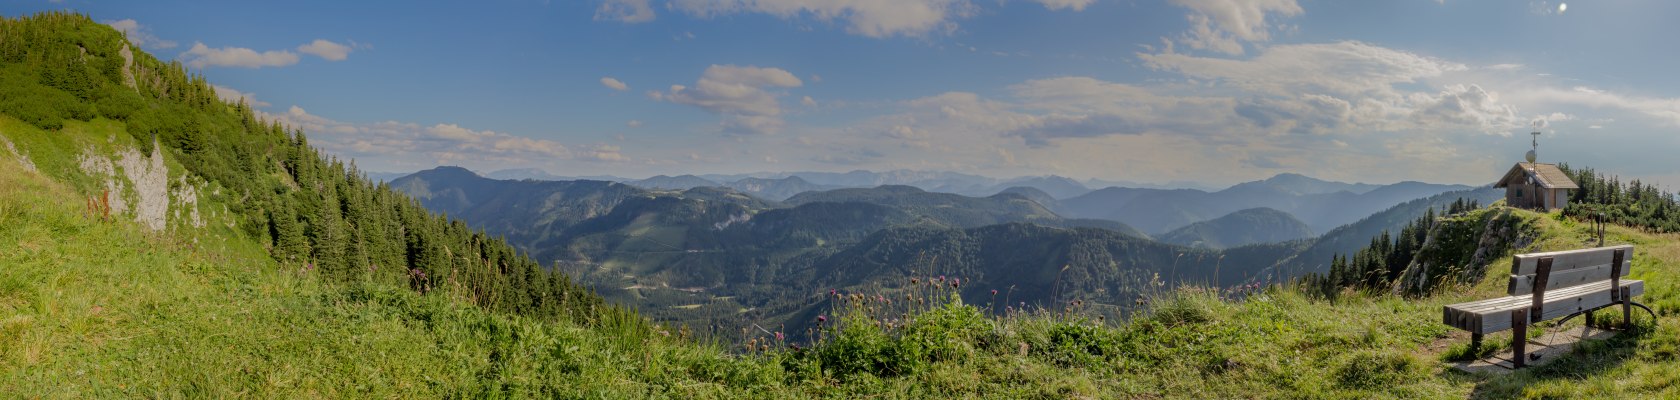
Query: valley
715	256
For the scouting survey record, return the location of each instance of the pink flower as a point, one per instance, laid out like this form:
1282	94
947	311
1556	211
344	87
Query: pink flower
779	337
994	292
822	319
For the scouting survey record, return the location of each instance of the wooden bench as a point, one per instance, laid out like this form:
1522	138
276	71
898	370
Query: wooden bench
1545	286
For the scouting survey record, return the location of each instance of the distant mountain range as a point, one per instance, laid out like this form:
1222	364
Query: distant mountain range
1241	228
688	249
1322	205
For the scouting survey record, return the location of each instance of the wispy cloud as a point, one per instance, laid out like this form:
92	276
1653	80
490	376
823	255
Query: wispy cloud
744	96
326	50
140	35
626	11
1075	5
614	84
200	56
871	18
393	144
229	95
1225	25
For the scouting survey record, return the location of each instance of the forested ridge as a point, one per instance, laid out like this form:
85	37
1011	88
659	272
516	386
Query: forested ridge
310	209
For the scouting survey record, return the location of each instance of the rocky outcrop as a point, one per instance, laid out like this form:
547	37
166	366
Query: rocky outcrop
1460	248
22	158
140	184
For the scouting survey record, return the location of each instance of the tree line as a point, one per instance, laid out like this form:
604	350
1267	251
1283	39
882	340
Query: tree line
1633	203
1379	265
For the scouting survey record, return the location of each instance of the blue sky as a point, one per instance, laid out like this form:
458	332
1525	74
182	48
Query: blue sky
1198	90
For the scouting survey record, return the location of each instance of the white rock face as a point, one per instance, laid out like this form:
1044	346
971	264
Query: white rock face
186	199
101	168
128	64
22	159
149	179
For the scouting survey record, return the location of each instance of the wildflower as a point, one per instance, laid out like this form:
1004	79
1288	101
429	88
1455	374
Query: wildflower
994	292
941	278
832	292
914	281
822	319
779	337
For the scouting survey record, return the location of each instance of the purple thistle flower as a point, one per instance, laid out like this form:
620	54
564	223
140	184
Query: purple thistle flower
832	292
994	292
779	337
822	319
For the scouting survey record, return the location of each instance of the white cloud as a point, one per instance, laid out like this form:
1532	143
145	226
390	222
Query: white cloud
633	124
392	144
1468	106
1340	68
871	18
140	35
808	101
229	95
1665	111
326	50
626	11
1224	25
1076	5
742	95
614	84
200	56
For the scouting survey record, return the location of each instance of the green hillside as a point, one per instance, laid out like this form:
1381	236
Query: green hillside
230	259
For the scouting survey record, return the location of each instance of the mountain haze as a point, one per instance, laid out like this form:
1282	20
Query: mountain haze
1321	205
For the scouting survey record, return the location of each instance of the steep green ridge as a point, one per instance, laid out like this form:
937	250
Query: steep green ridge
1350	238
157	145
1245	227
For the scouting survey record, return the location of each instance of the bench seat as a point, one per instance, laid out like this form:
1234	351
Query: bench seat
1494	315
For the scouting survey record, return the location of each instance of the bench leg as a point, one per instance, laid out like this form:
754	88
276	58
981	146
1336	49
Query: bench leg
1627	308
1589	315
1519	338
1475	343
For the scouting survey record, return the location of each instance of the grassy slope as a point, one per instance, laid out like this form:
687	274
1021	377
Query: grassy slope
104	309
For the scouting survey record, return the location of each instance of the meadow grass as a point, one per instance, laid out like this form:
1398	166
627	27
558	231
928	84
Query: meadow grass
94	308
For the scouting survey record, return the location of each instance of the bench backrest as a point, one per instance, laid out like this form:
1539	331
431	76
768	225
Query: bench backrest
1530	272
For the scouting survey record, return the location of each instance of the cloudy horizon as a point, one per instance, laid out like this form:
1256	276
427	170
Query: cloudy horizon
1209	91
